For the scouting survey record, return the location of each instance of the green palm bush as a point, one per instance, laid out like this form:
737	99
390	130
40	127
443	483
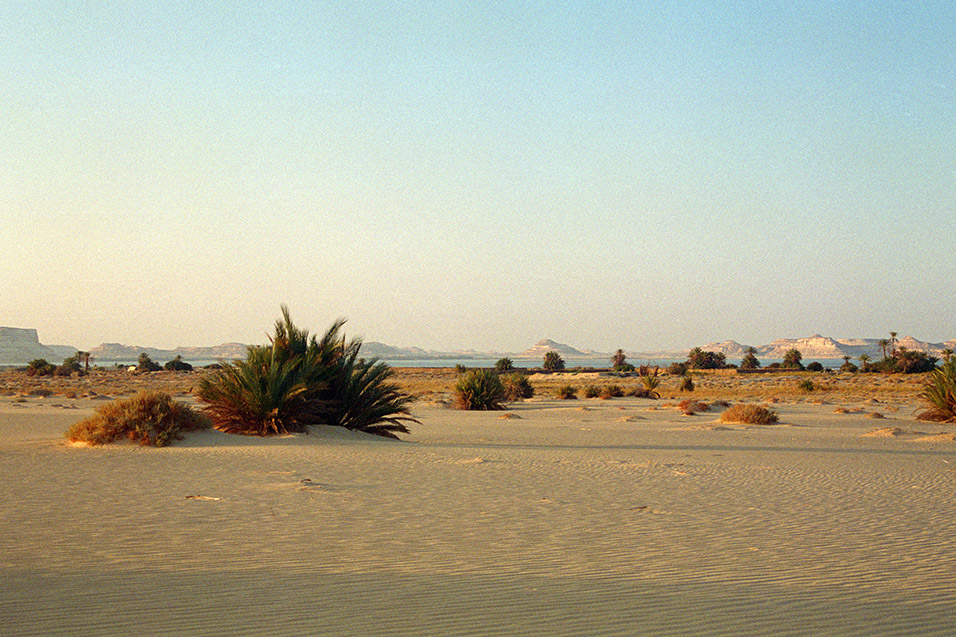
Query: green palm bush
939	393
686	383
298	381
149	417
517	386
263	395
479	390
364	399
504	365
592	391
612	391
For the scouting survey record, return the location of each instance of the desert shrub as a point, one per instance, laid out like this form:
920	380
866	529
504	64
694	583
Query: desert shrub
298	381
650	382
686	383
677	369
592	391
815	366
939	394
567	392
643	392
517	386
504	365
553	361
149	418
612	391
460	369
69	366
699	359
146	364
689	407
178	365
625	368
40	367
914	361
749	414
479	390
848	367
42	392
779	366
806	385
791	360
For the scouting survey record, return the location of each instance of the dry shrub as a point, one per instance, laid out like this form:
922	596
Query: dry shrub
644	392
689	407
592	391
149	417
567	392
749	414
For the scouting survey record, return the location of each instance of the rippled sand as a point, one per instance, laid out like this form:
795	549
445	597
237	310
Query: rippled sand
585	517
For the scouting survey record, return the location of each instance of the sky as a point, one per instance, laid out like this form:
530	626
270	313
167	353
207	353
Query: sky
644	175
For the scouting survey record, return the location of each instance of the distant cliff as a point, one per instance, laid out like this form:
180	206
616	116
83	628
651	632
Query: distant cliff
19	346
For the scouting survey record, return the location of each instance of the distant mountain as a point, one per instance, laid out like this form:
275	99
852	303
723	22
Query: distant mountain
381	350
539	349
110	352
19	346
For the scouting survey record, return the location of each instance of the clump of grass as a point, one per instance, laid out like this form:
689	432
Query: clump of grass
749	414
479	390
612	391
592	391
643	392
149	418
939	394
567	392
42	392
686	383
806	385
517	386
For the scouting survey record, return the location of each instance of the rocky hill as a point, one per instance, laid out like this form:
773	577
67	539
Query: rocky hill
539	349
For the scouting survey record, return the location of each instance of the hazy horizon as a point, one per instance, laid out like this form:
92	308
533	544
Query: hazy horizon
451	176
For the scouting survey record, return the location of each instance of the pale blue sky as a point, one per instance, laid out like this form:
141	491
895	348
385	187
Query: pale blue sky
450	175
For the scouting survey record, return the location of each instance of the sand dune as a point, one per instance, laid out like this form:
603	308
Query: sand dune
617	519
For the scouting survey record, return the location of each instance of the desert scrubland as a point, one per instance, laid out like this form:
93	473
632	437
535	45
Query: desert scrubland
586	516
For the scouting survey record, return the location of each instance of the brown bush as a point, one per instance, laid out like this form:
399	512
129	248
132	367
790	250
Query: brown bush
749	414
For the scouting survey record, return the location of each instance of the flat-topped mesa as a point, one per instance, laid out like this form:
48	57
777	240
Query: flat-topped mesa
19	346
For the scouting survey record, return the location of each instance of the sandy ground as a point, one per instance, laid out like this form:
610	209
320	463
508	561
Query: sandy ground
581	517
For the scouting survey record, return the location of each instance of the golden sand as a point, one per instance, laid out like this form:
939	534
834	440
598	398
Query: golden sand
600	517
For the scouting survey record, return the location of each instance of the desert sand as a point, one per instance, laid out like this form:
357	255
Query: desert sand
585	517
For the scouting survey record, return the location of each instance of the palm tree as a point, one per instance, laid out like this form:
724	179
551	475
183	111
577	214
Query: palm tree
298	381
884	343
947	353
750	360
618	359
893	343
864	362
